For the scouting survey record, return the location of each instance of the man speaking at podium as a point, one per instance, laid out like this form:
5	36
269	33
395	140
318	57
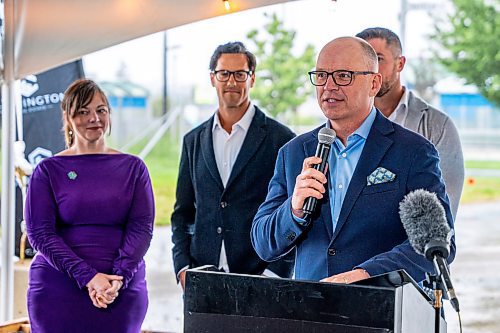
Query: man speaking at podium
355	231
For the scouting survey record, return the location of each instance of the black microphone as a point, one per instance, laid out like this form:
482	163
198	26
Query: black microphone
424	220
326	136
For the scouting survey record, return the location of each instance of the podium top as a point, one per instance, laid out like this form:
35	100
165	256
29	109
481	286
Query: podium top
392	279
377	303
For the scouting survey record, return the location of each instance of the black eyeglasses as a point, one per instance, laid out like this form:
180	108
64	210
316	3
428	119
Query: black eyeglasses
341	77
239	76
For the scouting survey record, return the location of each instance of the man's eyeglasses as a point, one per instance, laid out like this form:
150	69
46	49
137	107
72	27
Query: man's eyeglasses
340	77
239	76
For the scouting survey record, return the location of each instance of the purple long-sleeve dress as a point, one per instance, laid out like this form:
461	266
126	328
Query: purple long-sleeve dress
87	214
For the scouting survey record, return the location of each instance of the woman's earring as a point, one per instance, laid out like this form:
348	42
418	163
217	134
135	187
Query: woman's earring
70	132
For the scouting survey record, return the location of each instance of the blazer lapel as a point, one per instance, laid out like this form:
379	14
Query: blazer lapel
326	214
254	138
208	152
374	150
413	119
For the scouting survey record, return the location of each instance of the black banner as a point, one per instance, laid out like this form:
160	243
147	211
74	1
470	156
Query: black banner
42	123
41	101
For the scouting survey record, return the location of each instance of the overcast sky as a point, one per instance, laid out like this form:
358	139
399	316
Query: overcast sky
315	21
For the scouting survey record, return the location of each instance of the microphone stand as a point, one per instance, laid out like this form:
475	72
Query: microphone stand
435	283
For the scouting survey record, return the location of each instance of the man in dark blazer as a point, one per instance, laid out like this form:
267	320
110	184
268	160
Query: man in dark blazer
356	232
224	172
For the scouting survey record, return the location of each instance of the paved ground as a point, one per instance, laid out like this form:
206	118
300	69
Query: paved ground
475	274
165	296
476	270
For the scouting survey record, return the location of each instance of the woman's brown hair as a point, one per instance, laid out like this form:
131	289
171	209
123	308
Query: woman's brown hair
78	95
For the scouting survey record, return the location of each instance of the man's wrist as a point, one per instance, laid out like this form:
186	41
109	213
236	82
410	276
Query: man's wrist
362	270
182	271
299	220
298	213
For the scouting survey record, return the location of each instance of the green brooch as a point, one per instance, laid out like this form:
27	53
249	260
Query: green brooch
72	175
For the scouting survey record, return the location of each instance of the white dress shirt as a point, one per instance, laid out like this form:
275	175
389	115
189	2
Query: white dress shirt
226	149
401	110
227	146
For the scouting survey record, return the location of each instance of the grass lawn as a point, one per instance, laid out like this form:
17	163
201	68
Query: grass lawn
480	189
490	165
163	166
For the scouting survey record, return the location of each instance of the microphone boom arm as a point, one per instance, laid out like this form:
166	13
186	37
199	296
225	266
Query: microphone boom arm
436	251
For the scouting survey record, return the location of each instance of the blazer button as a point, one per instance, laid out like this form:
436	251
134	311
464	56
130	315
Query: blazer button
223	204
219	230
332	252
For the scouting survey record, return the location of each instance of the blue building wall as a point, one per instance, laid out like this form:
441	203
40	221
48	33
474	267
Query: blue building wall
470	111
127	102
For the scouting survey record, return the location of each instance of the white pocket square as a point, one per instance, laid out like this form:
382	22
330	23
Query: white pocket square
379	176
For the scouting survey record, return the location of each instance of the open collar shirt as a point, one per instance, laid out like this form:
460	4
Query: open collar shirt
226	149
401	110
342	163
228	145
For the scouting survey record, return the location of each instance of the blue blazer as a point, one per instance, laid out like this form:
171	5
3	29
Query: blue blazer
205	213
369	233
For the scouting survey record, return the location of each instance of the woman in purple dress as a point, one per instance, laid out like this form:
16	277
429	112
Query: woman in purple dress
89	214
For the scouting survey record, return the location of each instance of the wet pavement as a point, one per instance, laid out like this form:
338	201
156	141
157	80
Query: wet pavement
475	274
476	270
165	295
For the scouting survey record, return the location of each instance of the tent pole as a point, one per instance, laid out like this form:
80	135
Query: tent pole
8	186
8	203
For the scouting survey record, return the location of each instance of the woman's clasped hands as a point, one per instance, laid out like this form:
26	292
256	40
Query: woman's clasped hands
103	289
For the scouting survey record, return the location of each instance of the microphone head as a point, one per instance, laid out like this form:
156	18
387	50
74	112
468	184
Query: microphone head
424	219
326	136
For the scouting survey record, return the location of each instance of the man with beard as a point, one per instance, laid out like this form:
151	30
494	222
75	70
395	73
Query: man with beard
225	168
402	106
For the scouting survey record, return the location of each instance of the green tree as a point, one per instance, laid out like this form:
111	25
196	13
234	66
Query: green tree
281	78
471	36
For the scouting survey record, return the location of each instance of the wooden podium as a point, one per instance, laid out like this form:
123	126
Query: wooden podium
221	302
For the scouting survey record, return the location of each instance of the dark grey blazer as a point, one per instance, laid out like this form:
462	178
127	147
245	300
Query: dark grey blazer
205	212
439	129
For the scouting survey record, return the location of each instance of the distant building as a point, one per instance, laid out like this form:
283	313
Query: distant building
130	109
477	119
466	106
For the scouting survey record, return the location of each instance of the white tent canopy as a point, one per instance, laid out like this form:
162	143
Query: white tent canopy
52	32
39	35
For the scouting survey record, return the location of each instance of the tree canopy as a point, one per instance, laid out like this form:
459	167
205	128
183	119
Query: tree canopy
470	35
281	78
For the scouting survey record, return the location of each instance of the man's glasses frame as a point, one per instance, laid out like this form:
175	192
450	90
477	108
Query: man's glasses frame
239	76
341	77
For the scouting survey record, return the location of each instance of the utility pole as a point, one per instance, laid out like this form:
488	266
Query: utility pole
164	100
405	8
402	22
